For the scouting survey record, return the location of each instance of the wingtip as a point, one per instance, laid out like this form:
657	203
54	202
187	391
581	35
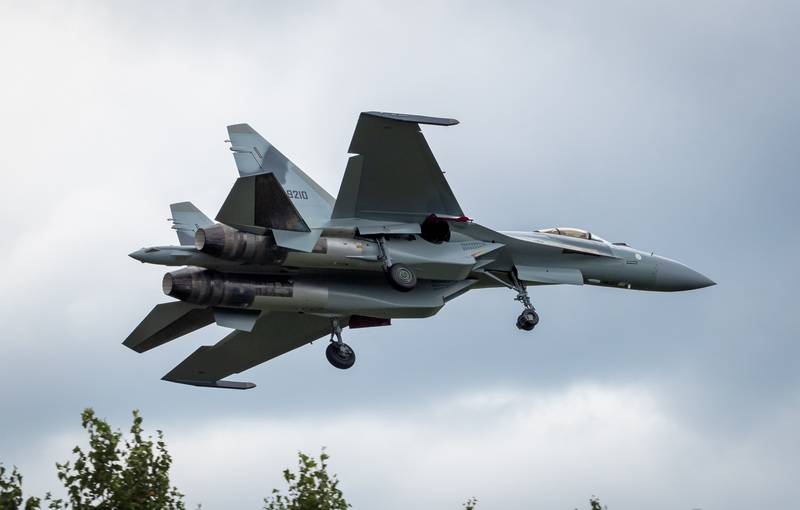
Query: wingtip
240	128
419	119
230	385
185	206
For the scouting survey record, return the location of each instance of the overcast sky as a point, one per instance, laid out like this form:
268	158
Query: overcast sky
674	128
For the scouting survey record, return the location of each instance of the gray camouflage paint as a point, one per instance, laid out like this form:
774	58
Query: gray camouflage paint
395	210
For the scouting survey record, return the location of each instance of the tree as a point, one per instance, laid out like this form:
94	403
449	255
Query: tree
594	504
311	489
131	474
11	491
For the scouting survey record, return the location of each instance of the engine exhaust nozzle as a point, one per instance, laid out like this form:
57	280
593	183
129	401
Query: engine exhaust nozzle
229	243
205	287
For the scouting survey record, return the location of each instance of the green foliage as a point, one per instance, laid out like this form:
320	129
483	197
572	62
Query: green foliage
594	504
115	473
133	474
11	491
312	488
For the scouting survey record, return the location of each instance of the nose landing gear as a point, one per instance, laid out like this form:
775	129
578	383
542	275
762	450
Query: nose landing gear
528	319
339	354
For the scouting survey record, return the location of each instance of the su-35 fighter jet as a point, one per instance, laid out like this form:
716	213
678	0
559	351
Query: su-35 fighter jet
285	264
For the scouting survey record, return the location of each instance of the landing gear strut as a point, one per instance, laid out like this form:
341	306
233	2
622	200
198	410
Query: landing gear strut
402	277
528	319
339	354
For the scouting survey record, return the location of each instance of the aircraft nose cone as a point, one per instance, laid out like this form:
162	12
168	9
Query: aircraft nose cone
137	255
674	276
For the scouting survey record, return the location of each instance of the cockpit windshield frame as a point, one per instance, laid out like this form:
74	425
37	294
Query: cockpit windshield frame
577	233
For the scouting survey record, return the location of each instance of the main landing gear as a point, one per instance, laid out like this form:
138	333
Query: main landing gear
528	319
400	276
339	354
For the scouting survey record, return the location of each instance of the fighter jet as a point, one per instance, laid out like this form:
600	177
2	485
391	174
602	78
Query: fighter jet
284	263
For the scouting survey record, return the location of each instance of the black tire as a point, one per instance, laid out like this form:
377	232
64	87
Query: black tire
402	278
340	355
528	320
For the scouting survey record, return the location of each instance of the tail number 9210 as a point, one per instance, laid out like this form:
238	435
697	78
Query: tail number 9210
293	193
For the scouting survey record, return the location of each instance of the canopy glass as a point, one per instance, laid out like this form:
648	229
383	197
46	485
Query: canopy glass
572	232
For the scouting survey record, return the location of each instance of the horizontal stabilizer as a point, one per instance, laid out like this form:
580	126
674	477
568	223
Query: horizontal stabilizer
166	322
186	219
275	333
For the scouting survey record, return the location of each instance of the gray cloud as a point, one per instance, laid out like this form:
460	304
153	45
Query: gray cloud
669	129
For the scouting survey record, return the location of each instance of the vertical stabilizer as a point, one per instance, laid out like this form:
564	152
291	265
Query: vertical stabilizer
186	219
255	156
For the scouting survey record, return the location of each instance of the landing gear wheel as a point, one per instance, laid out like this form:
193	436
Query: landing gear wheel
528	320
402	277
340	355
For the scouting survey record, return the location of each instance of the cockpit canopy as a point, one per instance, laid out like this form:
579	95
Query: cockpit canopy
572	232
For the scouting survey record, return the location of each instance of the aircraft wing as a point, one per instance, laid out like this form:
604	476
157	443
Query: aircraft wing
393	175
275	333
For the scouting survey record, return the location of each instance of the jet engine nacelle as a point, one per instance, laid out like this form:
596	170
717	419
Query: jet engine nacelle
231	244
369	296
210	288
